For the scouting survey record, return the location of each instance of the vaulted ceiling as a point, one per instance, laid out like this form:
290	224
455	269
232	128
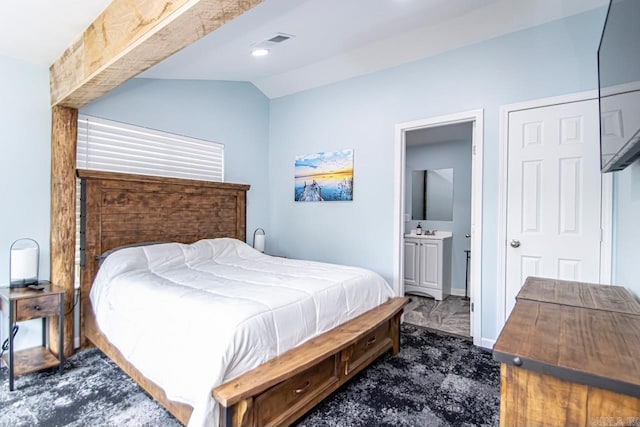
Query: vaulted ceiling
332	39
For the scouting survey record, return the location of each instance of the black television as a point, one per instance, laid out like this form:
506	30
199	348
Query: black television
619	86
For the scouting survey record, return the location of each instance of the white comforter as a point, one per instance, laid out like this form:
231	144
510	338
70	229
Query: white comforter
191	317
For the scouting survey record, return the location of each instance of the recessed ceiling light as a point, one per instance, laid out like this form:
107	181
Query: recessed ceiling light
260	52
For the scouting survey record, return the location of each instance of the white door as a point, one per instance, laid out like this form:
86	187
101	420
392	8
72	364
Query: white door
410	263
553	195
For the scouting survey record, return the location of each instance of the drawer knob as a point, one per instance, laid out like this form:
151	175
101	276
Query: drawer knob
37	307
371	341
303	388
517	361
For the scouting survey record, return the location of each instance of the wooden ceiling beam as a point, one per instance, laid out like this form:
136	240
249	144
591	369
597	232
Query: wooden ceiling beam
129	37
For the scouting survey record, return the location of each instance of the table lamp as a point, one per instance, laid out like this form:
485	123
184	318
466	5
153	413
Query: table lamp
24	259
259	240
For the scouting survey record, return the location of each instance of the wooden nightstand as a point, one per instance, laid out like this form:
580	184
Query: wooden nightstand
25	304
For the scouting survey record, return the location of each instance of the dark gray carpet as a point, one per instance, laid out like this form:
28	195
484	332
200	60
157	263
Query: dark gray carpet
436	380
92	391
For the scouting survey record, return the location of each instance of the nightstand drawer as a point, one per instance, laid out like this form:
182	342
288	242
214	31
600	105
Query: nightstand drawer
37	307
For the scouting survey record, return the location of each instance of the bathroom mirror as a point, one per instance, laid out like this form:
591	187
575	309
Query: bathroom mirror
432	195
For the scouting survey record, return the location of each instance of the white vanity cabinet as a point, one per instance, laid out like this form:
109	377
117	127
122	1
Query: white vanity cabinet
427	264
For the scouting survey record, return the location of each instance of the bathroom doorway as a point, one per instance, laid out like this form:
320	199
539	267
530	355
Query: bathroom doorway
438	221
438	217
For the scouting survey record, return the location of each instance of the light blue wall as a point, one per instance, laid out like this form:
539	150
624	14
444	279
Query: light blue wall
360	113
25	135
626	238
233	113
456	155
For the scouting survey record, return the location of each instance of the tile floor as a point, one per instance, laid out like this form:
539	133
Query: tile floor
450	315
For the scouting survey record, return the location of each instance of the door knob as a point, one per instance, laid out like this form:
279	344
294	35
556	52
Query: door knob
515	243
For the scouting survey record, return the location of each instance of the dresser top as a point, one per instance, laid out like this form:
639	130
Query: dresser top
578	294
589	334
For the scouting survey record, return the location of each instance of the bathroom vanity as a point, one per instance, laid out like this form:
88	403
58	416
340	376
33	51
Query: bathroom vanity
427	264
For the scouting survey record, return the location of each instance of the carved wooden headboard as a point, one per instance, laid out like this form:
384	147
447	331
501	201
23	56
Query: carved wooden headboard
120	209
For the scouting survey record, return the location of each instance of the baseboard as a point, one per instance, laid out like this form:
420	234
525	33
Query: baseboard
487	343
458	292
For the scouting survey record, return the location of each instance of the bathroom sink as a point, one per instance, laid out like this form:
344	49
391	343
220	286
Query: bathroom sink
440	235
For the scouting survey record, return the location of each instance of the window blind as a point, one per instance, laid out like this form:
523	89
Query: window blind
112	146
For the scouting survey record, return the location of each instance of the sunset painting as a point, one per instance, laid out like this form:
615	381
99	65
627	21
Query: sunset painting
324	177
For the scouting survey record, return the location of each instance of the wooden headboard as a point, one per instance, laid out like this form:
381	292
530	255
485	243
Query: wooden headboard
120	209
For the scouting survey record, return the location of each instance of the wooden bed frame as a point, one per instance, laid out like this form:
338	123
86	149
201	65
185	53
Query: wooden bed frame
120	209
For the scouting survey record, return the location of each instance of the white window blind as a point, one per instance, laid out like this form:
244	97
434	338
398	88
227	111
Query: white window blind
112	146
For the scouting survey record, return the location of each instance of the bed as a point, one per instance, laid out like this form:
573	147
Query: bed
120	209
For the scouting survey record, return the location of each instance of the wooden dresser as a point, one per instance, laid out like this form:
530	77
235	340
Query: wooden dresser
570	356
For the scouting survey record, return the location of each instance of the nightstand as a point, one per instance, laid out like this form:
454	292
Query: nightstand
26	304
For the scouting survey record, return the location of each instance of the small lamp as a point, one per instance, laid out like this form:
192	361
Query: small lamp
259	239
24	260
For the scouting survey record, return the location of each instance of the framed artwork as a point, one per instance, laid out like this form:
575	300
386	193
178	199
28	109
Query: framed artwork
324	177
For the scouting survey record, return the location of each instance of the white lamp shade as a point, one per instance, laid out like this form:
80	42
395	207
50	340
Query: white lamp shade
258	242
24	265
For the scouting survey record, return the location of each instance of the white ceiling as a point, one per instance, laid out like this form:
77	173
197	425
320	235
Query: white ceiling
38	31
334	39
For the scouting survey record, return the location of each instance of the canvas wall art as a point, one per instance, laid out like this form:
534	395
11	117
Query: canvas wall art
324	177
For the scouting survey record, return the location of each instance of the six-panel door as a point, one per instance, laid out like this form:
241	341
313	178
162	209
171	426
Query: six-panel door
553	195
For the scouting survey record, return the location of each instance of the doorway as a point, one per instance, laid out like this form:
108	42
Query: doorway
403	222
